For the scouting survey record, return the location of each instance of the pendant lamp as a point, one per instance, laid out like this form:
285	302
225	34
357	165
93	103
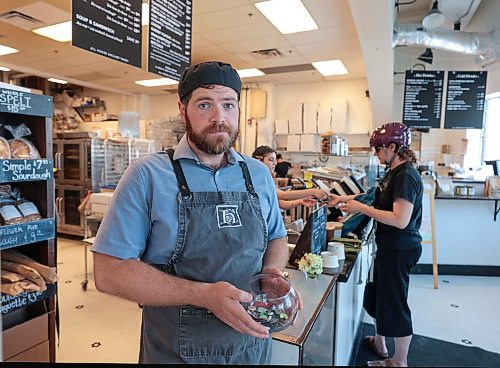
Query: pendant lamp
435	18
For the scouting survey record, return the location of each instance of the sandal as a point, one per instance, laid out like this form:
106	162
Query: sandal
370	342
380	363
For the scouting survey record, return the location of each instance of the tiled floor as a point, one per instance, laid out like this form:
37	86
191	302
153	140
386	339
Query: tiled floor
94	327
98	328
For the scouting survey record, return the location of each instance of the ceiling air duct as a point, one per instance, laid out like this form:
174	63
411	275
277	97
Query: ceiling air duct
486	46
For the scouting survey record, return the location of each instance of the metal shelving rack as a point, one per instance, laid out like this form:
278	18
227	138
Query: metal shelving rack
119	153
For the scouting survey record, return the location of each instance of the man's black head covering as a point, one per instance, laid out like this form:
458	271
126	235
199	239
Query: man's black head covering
206	73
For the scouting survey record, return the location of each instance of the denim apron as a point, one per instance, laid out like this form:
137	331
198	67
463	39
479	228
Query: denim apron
222	237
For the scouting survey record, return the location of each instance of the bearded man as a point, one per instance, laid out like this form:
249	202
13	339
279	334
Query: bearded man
188	228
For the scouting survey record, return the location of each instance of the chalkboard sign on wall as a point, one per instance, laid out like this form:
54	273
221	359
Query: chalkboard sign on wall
423	99
110	28
465	100
169	50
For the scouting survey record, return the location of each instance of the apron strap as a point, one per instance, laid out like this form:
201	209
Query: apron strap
248	179
182	182
179	174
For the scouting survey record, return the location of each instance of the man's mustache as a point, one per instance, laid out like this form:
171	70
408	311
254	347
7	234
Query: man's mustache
218	128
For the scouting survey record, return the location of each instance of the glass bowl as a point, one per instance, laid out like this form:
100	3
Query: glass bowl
274	302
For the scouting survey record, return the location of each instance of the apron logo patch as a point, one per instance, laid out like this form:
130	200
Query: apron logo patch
228	216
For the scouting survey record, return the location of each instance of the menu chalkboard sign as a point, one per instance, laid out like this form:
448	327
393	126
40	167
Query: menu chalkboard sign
110	28
26	232
26	103
465	100
423	98
318	230
313	238
11	303
169	51
25	170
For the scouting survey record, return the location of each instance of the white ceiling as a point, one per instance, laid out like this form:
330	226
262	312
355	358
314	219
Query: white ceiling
359	32
220	32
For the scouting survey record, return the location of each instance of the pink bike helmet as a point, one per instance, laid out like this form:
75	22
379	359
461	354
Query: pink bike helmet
391	132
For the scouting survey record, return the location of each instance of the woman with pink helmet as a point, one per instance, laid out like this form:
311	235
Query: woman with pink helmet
397	211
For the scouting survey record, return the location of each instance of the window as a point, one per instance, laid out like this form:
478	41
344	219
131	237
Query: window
491	128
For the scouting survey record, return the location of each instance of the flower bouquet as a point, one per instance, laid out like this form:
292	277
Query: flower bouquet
311	264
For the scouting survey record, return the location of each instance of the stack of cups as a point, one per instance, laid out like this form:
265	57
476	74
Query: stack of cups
333	229
338	248
330	259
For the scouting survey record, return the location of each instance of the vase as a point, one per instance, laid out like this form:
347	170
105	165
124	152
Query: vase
311	276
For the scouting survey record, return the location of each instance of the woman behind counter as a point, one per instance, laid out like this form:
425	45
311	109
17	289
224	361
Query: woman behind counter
290	198
398	214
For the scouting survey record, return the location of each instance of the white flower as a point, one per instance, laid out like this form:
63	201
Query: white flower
311	263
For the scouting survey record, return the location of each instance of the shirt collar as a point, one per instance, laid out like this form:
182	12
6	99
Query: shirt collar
183	150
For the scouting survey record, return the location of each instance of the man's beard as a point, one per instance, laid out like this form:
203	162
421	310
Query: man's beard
213	145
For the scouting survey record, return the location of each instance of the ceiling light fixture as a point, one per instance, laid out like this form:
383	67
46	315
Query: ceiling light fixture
245	73
55	80
288	16
426	56
6	50
156	82
60	32
330	67
145	14
4	69
434	18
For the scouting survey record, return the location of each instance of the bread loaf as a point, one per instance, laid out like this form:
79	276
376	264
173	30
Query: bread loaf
4	149
23	148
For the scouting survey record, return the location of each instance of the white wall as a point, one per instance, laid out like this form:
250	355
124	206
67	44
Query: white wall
163	106
359	114
255	132
115	103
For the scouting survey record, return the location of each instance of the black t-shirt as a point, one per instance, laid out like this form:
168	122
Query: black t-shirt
281	169
404	181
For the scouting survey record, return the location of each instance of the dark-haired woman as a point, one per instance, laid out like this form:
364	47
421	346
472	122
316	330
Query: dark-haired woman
398	214
290	198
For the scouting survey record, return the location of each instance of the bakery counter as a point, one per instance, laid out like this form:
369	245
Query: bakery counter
309	341
325	329
467	235
349	303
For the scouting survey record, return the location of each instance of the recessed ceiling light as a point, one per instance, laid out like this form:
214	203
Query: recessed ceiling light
55	80
245	73
330	67
288	16
145	14
156	82
6	50
4	69
60	32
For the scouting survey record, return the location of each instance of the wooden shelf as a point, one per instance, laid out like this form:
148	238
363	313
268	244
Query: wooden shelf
32	325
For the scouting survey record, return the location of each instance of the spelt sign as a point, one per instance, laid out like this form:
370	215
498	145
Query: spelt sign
20	102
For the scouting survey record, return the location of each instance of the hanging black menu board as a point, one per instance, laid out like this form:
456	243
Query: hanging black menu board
110	28
465	100
169	51
422	99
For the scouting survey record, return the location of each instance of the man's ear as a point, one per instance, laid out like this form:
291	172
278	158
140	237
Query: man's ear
182	110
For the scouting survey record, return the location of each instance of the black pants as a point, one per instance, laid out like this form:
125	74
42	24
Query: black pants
386	299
